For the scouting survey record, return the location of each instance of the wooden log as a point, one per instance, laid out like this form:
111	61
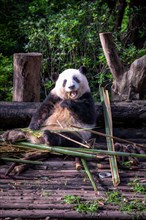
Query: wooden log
65	214
26	79
18	115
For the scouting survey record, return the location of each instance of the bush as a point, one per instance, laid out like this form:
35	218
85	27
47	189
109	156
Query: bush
6	72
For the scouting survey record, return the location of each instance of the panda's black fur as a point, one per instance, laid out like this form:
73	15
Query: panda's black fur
68	106
60	112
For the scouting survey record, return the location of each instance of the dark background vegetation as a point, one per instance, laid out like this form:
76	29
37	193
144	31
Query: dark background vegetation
66	32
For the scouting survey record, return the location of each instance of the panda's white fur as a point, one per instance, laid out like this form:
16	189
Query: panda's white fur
80	87
63	119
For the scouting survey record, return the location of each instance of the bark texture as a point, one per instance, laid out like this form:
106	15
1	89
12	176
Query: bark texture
26	80
127	85
18	114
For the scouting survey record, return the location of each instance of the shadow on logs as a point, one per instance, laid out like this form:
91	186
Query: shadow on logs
18	114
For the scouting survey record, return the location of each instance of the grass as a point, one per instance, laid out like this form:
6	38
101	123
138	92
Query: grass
71	199
113	197
137	187
87	207
133	206
81	206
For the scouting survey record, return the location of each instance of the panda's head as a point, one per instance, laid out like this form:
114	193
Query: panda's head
72	84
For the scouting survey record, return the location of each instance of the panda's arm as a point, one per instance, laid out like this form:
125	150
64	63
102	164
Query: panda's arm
83	107
43	111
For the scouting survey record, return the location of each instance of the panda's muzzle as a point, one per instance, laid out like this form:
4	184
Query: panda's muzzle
72	94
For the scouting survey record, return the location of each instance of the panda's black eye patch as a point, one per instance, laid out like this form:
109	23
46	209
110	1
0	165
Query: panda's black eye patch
64	82
76	79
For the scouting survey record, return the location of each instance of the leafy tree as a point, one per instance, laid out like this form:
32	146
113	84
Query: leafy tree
66	33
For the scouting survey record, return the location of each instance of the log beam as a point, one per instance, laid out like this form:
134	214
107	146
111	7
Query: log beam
18	114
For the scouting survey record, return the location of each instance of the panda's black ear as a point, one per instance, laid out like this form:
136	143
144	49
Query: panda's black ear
54	77
83	70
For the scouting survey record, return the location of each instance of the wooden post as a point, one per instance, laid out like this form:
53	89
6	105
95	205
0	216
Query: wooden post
111	55
26	79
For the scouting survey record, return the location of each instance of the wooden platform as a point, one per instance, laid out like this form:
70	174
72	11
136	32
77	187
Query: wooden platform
40	192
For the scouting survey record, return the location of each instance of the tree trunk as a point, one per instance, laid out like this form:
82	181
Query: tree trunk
18	114
26	80
127	85
111	55
120	13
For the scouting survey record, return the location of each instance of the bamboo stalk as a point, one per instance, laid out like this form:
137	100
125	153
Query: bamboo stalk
89	174
56	149
94	132
109	131
78	163
21	161
79	152
105	152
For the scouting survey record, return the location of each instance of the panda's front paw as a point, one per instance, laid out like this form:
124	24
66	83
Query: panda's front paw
67	104
13	136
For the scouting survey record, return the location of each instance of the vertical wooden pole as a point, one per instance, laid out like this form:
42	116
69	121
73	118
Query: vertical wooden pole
111	55
26	79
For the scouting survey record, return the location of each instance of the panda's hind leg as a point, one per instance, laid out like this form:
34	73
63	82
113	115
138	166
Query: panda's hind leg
54	139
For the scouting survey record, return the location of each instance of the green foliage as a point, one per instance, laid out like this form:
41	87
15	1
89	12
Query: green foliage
131	53
66	33
11	37
80	206
67	38
88	207
113	197
71	199
5	78
132	205
137	187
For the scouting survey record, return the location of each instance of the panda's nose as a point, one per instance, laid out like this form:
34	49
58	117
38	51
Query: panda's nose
71	87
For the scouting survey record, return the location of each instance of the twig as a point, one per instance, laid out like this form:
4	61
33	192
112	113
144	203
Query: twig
70	139
111	136
10	169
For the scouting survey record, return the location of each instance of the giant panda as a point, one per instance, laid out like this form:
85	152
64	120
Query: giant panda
68	105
